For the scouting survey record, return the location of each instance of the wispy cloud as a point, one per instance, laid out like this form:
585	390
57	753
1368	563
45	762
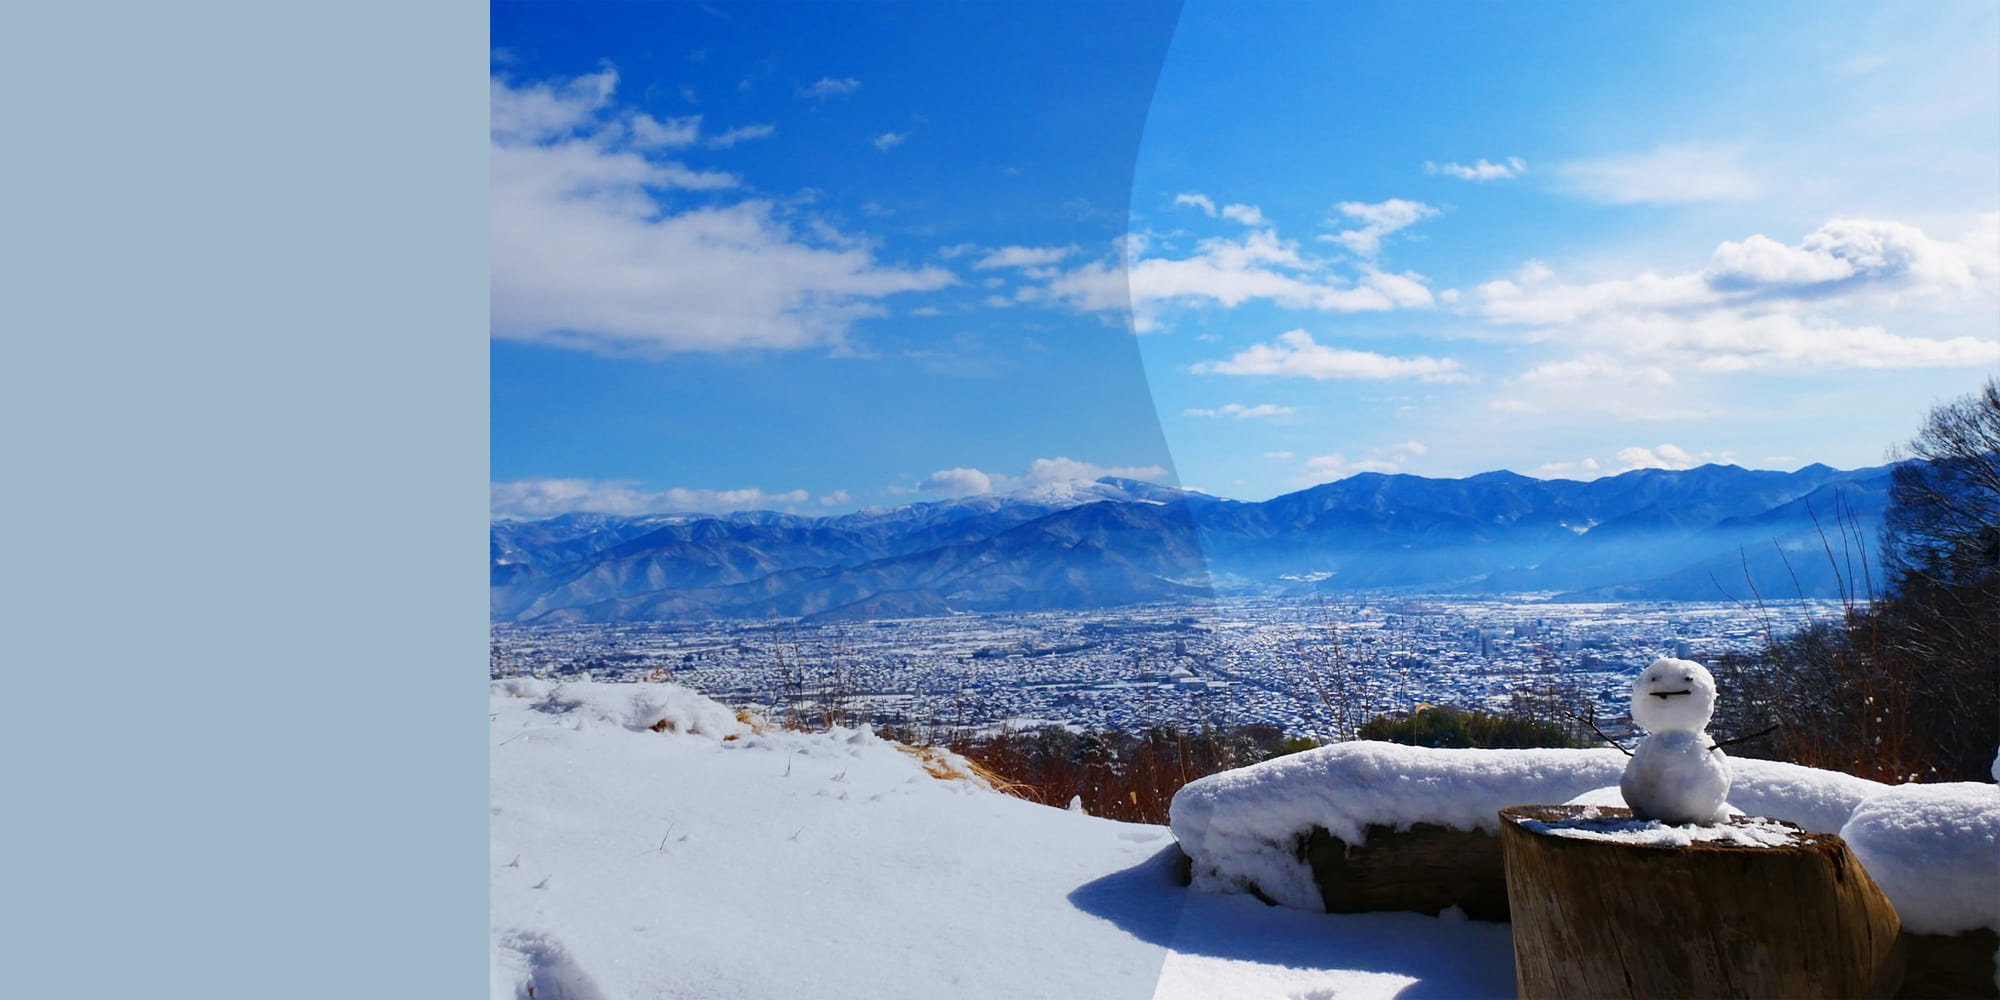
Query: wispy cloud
672	133
1377	220
828	87
1481	171
1389	459
1022	257
889	140
962	481
1666	174
1261	411
1248	215
539	498
1224	272
1201	201
1296	354
1600	384
741	133
1631	459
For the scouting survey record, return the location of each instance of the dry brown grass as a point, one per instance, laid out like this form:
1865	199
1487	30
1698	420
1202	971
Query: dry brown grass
947	766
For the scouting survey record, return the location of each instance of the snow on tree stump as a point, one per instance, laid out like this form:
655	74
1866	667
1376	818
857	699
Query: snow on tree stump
1424	869
1602	908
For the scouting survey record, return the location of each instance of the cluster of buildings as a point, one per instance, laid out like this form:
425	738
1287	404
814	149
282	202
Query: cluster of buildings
1310	667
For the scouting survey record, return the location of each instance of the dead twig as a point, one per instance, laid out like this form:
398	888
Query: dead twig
1592	723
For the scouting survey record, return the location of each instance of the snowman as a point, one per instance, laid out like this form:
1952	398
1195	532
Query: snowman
1677	775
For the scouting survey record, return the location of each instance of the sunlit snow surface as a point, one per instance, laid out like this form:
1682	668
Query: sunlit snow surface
1242	826
706	859
1590	825
1935	850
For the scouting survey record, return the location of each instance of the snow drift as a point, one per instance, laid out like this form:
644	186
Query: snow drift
646	842
1243	827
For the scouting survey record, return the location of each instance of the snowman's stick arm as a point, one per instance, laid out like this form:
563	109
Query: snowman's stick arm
1592	723
1745	739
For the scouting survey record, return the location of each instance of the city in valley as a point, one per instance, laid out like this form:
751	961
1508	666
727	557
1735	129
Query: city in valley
1312	667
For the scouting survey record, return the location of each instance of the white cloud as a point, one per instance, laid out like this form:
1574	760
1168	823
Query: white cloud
1295	353
1768	306
741	133
1761	260
1049	471
1248	215
1481	171
829	87
1666	456
1377	220
1848	254
1671	457
1261	411
545	110
1278	456
539	498
1406	290
961	482
1603	384
889	140
1584	469
1596	369
1667	174
1022	257
592	249
673	133
1223	272
1327	468
834	499
1200	201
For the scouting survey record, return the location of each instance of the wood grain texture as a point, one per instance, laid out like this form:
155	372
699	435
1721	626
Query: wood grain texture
1423	869
1951	966
1597	919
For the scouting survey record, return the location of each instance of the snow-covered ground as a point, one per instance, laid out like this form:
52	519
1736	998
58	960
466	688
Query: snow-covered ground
710	860
647	842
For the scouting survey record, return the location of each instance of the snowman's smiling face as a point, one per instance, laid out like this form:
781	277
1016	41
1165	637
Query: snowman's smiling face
1673	694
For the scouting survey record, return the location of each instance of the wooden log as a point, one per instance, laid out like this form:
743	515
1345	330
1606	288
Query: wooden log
1950	966
1600	918
1424	869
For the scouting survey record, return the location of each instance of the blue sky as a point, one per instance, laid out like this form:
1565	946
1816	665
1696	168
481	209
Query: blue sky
820	256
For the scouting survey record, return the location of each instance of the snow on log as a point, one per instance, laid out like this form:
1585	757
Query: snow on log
1249	830
1607	906
1935	850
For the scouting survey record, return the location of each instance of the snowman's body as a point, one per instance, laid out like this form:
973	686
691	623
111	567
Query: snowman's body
1676	775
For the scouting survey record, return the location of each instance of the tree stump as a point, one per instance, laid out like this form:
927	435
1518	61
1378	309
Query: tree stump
1597	918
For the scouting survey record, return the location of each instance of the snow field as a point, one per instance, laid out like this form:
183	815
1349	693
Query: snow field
707	859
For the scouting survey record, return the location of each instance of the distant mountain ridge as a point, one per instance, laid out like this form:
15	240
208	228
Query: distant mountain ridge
1711	533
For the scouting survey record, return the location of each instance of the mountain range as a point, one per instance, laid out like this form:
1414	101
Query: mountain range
1717	532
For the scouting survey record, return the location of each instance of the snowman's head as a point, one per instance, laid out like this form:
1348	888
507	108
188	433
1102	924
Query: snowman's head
1673	694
